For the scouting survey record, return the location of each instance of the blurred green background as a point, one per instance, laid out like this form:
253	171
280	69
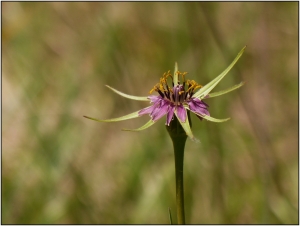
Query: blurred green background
60	168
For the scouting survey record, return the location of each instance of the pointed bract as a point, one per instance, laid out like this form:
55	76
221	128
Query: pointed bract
215	94
175	77
208	87
128	96
209	118
147	125
125	117
187	128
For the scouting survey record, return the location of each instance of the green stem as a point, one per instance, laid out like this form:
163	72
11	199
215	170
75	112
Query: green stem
179	156
178	137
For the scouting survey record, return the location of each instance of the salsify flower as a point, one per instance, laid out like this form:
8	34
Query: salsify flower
176	98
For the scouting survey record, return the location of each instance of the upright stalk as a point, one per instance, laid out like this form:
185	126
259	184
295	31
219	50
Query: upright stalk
178	137
179	156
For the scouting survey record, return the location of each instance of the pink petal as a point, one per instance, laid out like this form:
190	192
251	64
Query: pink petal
170	114
181	113
199	103
198	106
153	98
161	110
146	110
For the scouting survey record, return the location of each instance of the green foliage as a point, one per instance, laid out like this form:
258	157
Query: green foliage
60	168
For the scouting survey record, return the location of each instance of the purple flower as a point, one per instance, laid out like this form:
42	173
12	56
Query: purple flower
175	97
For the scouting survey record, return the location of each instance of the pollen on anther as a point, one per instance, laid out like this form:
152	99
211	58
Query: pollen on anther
151	91
183	76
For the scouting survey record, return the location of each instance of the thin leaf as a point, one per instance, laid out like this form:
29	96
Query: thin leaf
125	117
147	125
225	91
187	128
208	87
128	96
175	77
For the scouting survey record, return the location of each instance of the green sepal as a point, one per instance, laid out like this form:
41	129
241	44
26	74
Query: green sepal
147	125
187	128
127	95
125	117
215	94
175	77
209	118
208	87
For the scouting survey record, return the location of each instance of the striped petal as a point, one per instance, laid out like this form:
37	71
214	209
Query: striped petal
147	110
198	106
160	111
181	113
170	114
153	98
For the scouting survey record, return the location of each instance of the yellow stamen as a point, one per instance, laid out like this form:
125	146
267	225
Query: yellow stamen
163	82
183	76
198	86
161	87
193	85
155	88
151	91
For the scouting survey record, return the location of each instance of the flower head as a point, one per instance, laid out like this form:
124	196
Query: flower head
176	95
175	98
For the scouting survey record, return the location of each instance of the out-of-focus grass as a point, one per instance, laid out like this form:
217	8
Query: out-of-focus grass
58	167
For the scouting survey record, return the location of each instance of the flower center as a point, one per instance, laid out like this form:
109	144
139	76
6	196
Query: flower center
177	93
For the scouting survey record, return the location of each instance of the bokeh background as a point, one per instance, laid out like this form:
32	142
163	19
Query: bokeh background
60	168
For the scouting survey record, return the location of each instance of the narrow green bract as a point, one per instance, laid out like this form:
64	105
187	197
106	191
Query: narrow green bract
215	94
208	87
125	117
128	96
147	125
187	128
175	77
